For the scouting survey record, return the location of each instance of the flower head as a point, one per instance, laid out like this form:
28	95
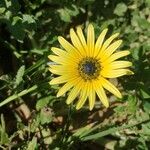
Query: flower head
84	66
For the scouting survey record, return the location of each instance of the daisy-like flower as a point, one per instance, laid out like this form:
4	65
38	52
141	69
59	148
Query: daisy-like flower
84	66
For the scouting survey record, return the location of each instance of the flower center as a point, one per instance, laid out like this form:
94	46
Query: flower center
89	68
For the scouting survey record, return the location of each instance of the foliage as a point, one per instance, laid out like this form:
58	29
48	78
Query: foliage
31	115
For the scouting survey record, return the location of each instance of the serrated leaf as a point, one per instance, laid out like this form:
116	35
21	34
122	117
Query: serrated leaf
120	9
8	3
68	12
28	18
64	15
19	75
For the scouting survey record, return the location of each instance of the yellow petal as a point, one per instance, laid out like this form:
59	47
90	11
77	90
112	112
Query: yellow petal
76	42
69	69
91	97
67	86
99	42
58	80
74	92
67	46
116	56
71	57
65	67
58	51
108	52
110	87
62	71
90	39
101	94
115	73
83	96
57	59
109	40
56	71
118	65
81	37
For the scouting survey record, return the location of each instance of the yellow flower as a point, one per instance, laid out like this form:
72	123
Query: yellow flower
86	65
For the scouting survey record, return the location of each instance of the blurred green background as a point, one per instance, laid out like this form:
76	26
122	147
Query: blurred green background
32	117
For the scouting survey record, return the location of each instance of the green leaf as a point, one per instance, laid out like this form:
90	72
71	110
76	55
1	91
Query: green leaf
16	19
2	10
8	3
68	12
82	131
120	109
120	9
72	10
4	139
64	15
146	129
145	93
131	107
46	134
33	144
41	103
146	106
28	18
45	116
147	2
135	53
143	23
19	75
8	14
38	51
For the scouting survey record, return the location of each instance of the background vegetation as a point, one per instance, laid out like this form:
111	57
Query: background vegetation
32	117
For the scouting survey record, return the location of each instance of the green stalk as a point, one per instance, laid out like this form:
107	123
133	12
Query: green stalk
15	96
